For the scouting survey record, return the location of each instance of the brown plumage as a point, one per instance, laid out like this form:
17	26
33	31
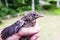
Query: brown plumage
28	20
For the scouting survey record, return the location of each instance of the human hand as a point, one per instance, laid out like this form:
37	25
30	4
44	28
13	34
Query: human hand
28	31
35	37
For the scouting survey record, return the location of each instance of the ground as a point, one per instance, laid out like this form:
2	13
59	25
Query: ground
49	27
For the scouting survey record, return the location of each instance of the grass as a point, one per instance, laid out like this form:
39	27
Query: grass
49	27
50	12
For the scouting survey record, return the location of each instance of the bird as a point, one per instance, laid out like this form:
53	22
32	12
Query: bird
27	20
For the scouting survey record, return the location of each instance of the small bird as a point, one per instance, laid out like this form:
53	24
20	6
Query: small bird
27	20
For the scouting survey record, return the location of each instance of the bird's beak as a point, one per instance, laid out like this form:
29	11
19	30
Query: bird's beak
41	16
37	16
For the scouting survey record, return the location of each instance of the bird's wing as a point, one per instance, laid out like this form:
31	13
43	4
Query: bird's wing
16	27
19	26
10	30
5	33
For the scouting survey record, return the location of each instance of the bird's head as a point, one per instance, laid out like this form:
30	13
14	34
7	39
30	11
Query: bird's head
31	16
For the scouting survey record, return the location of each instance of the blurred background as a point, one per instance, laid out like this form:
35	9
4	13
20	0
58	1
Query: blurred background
12	10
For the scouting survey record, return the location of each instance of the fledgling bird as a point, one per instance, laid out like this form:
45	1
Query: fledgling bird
28	20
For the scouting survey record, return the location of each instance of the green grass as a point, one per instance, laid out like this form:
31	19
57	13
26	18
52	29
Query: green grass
50	12
49	27
56	11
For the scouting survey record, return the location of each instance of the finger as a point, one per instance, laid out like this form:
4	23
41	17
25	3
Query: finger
14	37
35	37
28	31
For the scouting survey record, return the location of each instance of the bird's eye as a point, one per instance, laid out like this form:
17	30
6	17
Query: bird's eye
34	14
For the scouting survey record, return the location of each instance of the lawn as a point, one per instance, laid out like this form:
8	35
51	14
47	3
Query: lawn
49	27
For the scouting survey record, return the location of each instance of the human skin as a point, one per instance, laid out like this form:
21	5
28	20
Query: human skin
34	31
35	37
28	31
16	37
